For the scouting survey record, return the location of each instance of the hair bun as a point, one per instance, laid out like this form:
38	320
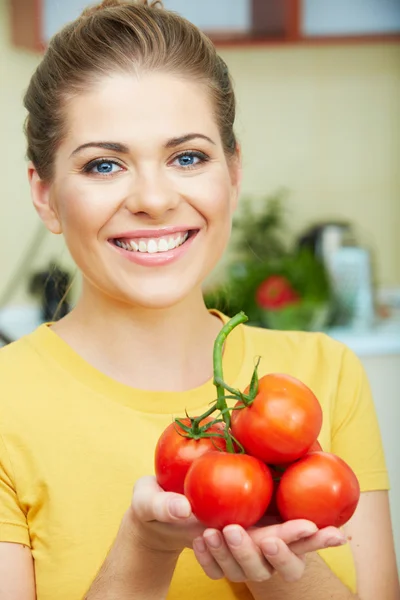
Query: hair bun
91	10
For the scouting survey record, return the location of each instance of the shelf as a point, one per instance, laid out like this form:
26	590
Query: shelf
251	41
244	23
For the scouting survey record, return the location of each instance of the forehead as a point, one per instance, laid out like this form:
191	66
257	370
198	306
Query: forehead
142	108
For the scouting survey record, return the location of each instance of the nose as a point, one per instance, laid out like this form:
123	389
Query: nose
152	195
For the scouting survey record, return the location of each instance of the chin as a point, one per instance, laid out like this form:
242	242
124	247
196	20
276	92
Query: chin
156	289
157	298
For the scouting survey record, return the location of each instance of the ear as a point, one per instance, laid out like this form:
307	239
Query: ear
41	198
236	173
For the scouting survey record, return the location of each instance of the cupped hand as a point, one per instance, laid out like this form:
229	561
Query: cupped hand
256	554
162	521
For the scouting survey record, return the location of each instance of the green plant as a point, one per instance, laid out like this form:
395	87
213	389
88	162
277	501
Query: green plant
263	256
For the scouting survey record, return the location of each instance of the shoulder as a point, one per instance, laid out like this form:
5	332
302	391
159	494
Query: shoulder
21	365
325	365
316	346
22	349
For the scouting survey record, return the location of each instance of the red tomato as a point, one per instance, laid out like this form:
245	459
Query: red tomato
320	487
282	423
316	447
175	453
225	489
272	510
276	292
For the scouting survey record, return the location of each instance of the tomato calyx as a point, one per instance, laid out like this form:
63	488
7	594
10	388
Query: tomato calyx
196	431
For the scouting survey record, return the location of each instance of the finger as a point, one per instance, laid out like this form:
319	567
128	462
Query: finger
329	537
247	554
286	563
206	559
289	532
222	555
151	503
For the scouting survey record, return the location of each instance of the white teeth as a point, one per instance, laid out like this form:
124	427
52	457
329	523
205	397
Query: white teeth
153	245
162	245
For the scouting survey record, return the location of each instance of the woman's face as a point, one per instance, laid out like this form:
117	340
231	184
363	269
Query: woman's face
142	191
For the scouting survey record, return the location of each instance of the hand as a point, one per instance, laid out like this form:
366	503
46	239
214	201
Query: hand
162	521
255	555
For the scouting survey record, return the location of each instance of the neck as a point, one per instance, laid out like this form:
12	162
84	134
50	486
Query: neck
160	349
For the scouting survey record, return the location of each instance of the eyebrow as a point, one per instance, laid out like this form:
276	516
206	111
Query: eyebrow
177	141
115	146
124	149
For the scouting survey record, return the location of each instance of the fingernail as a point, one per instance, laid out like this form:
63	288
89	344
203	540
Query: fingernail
335	541
213	539
199	545
179	507
233	536
270	548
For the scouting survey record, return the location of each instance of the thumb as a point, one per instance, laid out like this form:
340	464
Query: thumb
151	503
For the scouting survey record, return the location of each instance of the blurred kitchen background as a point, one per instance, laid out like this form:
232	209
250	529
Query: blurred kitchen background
316	242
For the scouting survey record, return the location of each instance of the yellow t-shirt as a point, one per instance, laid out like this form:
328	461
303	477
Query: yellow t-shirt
74	441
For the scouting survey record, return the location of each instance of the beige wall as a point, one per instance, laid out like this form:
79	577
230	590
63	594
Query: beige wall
323	122
18	221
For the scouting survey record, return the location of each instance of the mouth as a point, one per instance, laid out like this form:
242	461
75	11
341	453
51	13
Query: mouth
154	245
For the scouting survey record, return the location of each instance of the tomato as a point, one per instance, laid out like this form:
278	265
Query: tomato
277	473
225	489
272	510
282	423
175	453
276	292
316	447
320	487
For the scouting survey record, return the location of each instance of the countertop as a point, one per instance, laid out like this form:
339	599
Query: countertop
381	339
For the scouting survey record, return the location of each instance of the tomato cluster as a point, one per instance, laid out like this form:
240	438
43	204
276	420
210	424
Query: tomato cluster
258	457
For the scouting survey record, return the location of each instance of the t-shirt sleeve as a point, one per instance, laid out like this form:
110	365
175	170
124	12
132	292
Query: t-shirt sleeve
13	524
356	436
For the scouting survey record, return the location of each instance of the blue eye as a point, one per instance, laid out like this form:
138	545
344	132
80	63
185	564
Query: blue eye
190	159
102	167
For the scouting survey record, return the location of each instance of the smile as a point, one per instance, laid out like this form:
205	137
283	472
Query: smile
154	245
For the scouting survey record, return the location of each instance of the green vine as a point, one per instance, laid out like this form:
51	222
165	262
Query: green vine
220	406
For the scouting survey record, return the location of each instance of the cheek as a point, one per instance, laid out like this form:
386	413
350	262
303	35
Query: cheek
86	207
215	200
216	206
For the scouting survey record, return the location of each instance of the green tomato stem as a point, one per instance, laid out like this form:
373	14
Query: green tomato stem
236	394
218	372
209	412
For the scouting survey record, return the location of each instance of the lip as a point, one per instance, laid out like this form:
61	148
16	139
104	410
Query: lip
153	233
158	259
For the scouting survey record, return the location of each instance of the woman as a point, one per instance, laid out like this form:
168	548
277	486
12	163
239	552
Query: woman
134	160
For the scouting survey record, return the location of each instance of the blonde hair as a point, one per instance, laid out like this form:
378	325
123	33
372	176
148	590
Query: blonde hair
117	36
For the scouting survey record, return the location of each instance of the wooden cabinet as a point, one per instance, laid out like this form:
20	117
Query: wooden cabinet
240	22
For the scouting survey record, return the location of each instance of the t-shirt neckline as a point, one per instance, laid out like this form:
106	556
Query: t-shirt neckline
48	341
